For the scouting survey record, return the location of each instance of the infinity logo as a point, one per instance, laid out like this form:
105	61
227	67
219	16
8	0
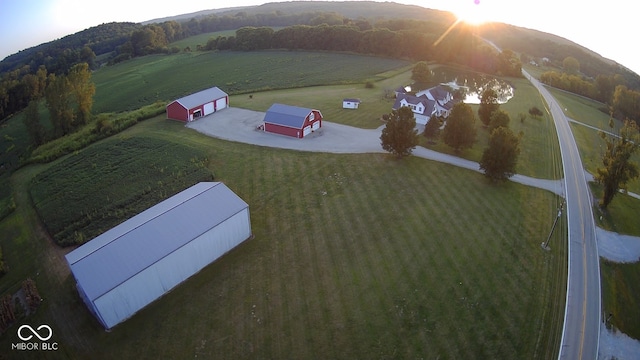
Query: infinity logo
34	332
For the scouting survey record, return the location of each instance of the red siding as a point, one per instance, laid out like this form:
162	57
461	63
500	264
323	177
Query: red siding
297	133
283	130
317	116
176	111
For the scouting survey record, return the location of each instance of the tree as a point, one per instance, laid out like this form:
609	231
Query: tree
571	65
432	128
535	112
70	99
399	136
499	118
618	169
58	99
499	159
460	131
488	104
82	91
421	73
32	122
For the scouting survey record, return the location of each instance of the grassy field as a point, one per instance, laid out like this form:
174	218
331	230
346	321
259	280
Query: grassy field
125	86
201	39
585	110
590	144
354	256
540	152
328	99
110	182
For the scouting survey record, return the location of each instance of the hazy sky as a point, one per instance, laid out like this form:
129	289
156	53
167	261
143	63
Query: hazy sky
607	28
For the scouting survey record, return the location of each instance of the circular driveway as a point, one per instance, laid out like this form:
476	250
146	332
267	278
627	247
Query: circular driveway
241	125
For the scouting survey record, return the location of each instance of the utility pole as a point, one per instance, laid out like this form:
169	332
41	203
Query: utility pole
545	245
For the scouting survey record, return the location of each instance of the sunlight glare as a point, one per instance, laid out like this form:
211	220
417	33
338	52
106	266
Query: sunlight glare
472	13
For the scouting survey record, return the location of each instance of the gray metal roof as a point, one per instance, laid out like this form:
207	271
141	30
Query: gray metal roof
286	115
428	105
201	97
123	251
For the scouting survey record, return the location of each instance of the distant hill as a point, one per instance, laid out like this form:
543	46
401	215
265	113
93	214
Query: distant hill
193	15
540	45
103	39
59	53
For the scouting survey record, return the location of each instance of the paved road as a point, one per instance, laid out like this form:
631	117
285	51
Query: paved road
581	331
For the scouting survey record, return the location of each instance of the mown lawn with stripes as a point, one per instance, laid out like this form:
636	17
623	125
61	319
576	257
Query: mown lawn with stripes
360	256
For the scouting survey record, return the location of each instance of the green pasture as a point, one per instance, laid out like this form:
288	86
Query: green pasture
592	146
110	182
620	296
354	256
375	101
141	81
200	39
585	110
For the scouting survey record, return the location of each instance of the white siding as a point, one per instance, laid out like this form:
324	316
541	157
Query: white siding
349	105
421	119
143	288
208	109
221	103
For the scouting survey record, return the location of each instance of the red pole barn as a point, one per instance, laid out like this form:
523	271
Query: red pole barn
292	120
196	105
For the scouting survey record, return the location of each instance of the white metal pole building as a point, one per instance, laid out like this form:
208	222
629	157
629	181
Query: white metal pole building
136	262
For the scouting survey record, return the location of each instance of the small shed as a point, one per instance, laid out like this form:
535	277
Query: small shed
292	121
197	105
131	265
350	103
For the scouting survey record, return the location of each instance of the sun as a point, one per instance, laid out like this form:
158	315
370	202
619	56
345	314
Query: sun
472	12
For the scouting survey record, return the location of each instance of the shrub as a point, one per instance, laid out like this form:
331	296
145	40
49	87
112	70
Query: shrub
3	265
31	294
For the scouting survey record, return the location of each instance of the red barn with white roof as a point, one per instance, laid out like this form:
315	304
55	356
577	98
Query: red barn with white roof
197	105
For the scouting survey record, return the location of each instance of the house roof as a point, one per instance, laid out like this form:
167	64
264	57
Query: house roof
438	92
401	90
287	115
201	97
428	105
123	251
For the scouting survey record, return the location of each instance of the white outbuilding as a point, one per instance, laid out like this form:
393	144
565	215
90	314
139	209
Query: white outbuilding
350	103
131	265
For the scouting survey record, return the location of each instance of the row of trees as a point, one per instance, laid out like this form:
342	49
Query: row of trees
69	99
624	102
611	89
459	46
556	51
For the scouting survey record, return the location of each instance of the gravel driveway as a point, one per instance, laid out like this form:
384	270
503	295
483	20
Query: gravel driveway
240	125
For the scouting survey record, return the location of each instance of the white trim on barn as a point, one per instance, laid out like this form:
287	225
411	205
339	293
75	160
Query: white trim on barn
131	265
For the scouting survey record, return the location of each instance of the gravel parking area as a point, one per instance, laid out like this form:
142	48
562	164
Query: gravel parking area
241	125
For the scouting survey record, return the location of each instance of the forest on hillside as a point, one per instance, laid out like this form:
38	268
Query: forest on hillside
382	29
